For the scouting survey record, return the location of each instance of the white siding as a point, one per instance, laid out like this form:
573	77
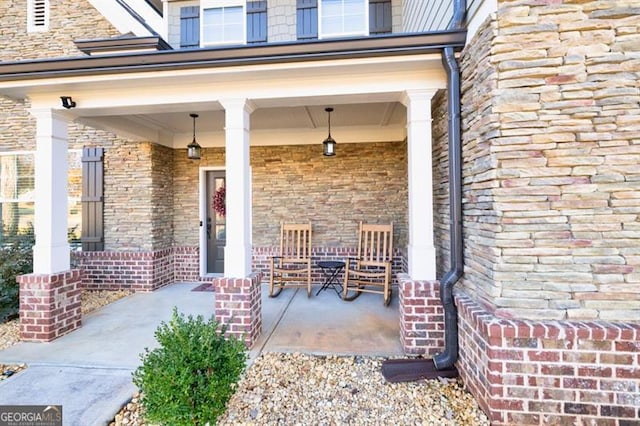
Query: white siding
426	15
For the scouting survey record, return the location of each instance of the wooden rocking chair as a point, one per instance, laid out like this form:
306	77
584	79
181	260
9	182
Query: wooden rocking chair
370	272
292	268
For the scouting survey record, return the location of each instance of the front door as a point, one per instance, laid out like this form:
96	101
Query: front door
216	222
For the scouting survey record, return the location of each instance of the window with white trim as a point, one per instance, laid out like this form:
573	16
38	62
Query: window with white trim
223	22
341	18
17	185
37	15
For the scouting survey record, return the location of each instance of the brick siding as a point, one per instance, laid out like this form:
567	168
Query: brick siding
421	316
50	305
550	372
136	271
186	261
238	307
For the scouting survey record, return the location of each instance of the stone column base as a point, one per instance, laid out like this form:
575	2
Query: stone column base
50	305
421	316
239	307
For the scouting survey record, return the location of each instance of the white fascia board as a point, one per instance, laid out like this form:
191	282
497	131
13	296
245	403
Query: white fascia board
120	18
250	81
150	16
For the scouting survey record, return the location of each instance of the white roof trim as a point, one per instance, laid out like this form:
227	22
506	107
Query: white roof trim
124	22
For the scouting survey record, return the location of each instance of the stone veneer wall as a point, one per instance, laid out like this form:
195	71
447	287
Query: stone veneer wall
551	112
549	306
440	152
296	183
69	20
365	182
137	197
138	194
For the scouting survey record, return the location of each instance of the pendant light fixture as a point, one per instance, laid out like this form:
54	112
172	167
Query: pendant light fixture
329	144
193	149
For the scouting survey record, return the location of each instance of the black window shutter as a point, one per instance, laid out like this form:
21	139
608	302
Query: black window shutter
256	22
307	19
189	27
92	199
379	16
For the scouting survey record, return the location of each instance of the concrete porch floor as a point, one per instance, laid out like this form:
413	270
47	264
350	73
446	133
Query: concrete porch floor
115	335
88	371
325	324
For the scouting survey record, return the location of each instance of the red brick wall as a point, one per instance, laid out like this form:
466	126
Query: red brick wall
550	372
147	271
238	307
49	305
421	316
137	271
186	262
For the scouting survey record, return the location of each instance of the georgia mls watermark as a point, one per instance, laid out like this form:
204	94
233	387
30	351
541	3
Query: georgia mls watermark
30	415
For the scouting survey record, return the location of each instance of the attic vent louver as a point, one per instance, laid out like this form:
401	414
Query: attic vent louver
38	15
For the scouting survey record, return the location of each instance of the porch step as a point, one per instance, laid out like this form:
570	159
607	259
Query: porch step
410	370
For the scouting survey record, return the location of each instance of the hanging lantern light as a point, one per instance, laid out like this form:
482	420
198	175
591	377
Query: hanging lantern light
193	149
329	144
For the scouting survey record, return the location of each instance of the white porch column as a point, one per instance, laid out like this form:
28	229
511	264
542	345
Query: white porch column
421	250
237	254
51	250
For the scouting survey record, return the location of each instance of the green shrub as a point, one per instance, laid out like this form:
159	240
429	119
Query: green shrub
16	258
190	377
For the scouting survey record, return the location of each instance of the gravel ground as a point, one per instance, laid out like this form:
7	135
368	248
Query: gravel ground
298	389
9	331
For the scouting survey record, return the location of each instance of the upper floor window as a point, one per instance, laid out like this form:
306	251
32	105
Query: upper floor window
338	18
343	18
223	22
37	15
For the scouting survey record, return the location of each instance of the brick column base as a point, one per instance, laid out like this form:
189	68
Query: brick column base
49	305
239	306
528	372
421	316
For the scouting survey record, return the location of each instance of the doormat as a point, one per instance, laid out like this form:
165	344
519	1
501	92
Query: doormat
204	287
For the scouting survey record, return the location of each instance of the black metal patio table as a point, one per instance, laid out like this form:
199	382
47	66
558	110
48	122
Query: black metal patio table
331	269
